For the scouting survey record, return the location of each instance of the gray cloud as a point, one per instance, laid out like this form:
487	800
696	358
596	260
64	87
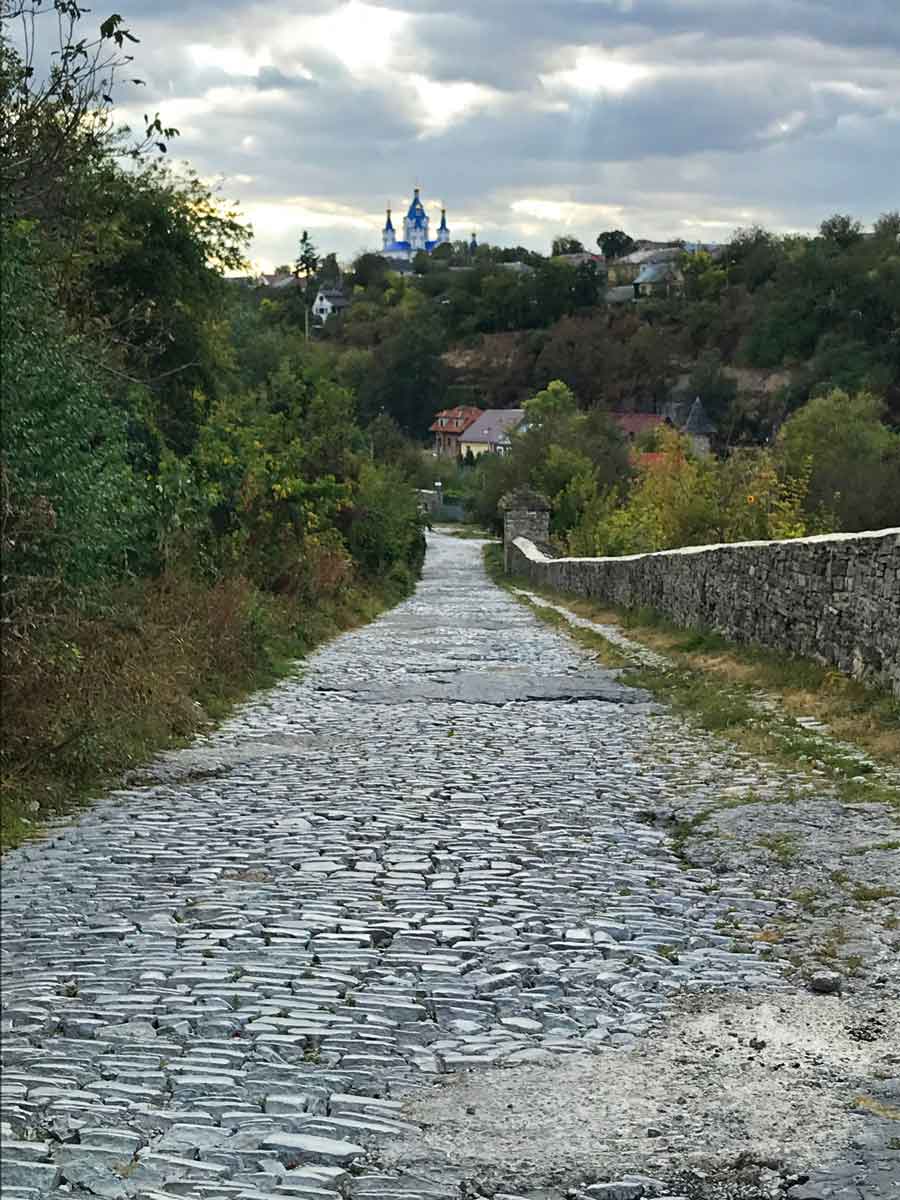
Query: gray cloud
778	110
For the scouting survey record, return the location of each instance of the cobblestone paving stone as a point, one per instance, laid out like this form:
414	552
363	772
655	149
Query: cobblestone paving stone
420	855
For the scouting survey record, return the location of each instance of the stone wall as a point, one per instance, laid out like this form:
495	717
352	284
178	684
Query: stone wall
834	598
527	515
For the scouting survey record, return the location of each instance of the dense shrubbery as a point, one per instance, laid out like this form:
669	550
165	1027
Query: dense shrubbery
106	479
834	467
74	510
168	449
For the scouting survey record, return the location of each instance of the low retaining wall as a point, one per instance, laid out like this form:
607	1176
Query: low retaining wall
834	598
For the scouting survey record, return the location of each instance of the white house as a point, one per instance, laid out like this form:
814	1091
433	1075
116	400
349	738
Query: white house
327	302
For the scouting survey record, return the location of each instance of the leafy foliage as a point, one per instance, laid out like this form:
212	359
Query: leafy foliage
157	419
568	455
56	114
564	244
852	458
73	509
834	466
680	499
615	243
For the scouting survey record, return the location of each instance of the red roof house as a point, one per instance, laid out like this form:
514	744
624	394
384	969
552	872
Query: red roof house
448	427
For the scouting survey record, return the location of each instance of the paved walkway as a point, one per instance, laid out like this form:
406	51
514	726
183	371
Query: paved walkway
422	853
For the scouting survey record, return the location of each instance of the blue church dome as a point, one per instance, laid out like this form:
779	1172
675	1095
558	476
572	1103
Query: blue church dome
415	236
416	211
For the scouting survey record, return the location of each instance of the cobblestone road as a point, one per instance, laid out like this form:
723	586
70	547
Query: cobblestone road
421	854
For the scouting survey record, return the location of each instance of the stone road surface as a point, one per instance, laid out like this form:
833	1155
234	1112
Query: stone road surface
420	855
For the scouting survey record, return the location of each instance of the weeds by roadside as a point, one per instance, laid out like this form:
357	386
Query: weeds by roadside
719	685
108	686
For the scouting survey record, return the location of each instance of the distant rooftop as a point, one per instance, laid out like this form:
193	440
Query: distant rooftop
698	421
637	258
656	272
277	281
454	420
634	423
493	424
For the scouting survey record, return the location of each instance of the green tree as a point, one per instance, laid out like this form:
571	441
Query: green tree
554	286
307	261
586	288
853	458
384	532
615	243
408	378
752	256
571	456
841	230
369	270
551	403
563	244
328	273
156	289
505	301
704	277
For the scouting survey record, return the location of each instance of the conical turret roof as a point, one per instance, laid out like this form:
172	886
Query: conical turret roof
416	212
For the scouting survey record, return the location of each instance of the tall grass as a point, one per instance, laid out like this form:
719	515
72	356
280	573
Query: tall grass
105	686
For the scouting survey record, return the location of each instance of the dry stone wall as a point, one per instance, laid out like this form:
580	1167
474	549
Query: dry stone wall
834	598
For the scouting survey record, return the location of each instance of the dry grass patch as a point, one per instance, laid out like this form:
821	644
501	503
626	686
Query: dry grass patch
107	686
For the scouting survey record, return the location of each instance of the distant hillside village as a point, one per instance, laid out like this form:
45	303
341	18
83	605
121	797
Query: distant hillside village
649	268
720	343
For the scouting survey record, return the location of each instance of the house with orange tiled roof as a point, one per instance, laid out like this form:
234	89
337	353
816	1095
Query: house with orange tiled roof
448	427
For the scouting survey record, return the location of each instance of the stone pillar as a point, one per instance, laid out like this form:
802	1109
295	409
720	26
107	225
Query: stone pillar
525	514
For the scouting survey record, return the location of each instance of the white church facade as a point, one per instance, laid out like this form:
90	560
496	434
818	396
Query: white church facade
416	237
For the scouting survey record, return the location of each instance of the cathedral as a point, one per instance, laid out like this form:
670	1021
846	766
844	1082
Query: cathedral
415	233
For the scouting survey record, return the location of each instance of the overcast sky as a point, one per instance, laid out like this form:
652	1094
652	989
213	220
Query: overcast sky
528	118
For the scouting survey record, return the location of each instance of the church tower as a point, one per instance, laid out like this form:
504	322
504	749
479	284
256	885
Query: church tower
415	237
415	226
